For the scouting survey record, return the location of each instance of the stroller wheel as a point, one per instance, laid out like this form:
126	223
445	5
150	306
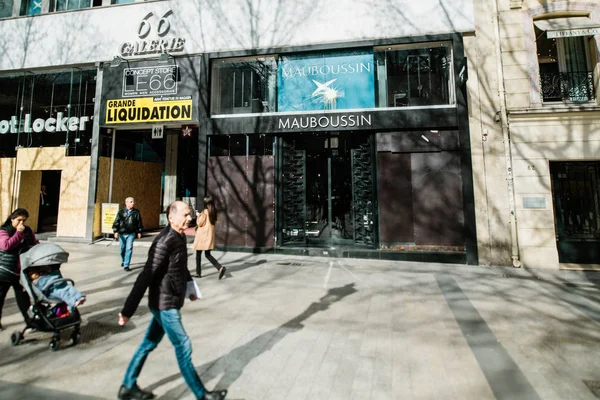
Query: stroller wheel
74	338
54	344
16	337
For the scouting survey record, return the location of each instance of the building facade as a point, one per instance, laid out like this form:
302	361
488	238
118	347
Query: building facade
376	130
550	69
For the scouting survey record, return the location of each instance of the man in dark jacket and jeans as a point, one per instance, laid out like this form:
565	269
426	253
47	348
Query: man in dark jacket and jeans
167	275
127	225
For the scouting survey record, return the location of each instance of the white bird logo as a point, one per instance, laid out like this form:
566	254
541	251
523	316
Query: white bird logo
322	87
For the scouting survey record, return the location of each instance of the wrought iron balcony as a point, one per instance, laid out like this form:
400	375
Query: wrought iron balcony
567	86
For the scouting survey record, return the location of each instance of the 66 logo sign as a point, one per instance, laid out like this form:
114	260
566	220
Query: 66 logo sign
159	45
164	25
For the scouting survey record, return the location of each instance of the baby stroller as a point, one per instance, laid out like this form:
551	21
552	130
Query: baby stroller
46	314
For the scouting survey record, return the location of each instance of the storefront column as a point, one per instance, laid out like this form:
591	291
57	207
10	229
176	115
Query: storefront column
92	187
170	192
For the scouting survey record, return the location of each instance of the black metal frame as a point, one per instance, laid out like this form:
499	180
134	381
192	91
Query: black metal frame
577	87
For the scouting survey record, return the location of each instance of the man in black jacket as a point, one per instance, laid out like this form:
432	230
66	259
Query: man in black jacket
167	276
127	225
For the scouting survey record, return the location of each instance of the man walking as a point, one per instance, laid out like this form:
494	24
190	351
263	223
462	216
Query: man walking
167	276
127	225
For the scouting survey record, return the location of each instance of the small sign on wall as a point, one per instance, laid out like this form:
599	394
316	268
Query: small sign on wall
157	131
109	213
534	202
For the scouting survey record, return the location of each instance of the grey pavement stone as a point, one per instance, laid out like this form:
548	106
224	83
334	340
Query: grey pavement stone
290	327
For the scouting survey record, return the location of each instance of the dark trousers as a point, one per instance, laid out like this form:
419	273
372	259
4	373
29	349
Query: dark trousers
20	295
210	258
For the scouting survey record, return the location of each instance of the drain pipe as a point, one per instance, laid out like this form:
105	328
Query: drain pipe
514	240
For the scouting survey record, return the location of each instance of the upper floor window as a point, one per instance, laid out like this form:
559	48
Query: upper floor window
361	78
566	56
64	5
244	85
31	7
414	75
6	8
122	1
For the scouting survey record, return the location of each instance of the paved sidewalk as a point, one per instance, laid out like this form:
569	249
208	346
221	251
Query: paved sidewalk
289	327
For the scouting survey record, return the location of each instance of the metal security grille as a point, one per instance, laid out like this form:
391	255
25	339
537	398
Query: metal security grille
294	193
576	195
362	194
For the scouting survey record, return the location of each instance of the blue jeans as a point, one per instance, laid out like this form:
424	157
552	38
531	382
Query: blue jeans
126	241
169	322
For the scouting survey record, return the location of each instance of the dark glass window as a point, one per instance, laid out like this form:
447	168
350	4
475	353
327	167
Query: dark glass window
6	8
565	73
64	5
122	1
31	7
46	110
227	145
410	75
245	85
260	145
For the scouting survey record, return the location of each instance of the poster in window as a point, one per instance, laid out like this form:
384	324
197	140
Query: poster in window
326	81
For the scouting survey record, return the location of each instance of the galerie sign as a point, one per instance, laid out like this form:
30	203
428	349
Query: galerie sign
326	82
58	124
149	109
160	44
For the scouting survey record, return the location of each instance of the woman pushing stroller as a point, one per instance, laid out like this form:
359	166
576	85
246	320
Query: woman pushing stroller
15	238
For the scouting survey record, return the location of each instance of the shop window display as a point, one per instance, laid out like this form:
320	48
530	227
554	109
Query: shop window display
414	75
47	110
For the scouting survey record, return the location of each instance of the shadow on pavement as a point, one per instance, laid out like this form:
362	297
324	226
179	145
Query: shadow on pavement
231	365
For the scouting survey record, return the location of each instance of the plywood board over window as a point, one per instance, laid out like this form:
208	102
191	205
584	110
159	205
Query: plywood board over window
75	177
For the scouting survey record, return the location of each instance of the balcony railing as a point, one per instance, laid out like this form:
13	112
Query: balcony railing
568	86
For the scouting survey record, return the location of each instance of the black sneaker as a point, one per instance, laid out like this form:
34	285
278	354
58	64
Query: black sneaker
127	269
135	393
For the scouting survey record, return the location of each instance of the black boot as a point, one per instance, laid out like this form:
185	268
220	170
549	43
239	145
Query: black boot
135	393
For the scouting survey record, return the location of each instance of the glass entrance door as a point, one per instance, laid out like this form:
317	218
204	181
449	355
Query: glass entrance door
327	190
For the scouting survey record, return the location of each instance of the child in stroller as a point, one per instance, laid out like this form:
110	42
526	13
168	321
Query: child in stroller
50	282
54	299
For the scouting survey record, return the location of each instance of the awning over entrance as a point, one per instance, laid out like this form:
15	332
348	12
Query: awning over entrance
568	27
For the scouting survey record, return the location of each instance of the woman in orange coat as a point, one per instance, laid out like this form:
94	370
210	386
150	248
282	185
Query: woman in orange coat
205	236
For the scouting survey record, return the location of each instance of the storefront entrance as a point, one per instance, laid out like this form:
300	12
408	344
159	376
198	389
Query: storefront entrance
327	190
576	196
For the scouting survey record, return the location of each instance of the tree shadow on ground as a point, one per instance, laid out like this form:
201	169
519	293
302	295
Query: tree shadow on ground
232	365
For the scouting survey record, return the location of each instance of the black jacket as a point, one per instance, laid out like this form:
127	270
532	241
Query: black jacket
131	223
165	272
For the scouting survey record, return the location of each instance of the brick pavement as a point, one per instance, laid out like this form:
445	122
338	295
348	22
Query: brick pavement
289	327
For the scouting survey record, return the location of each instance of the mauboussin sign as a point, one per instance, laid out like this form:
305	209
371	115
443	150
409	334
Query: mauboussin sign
326	82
